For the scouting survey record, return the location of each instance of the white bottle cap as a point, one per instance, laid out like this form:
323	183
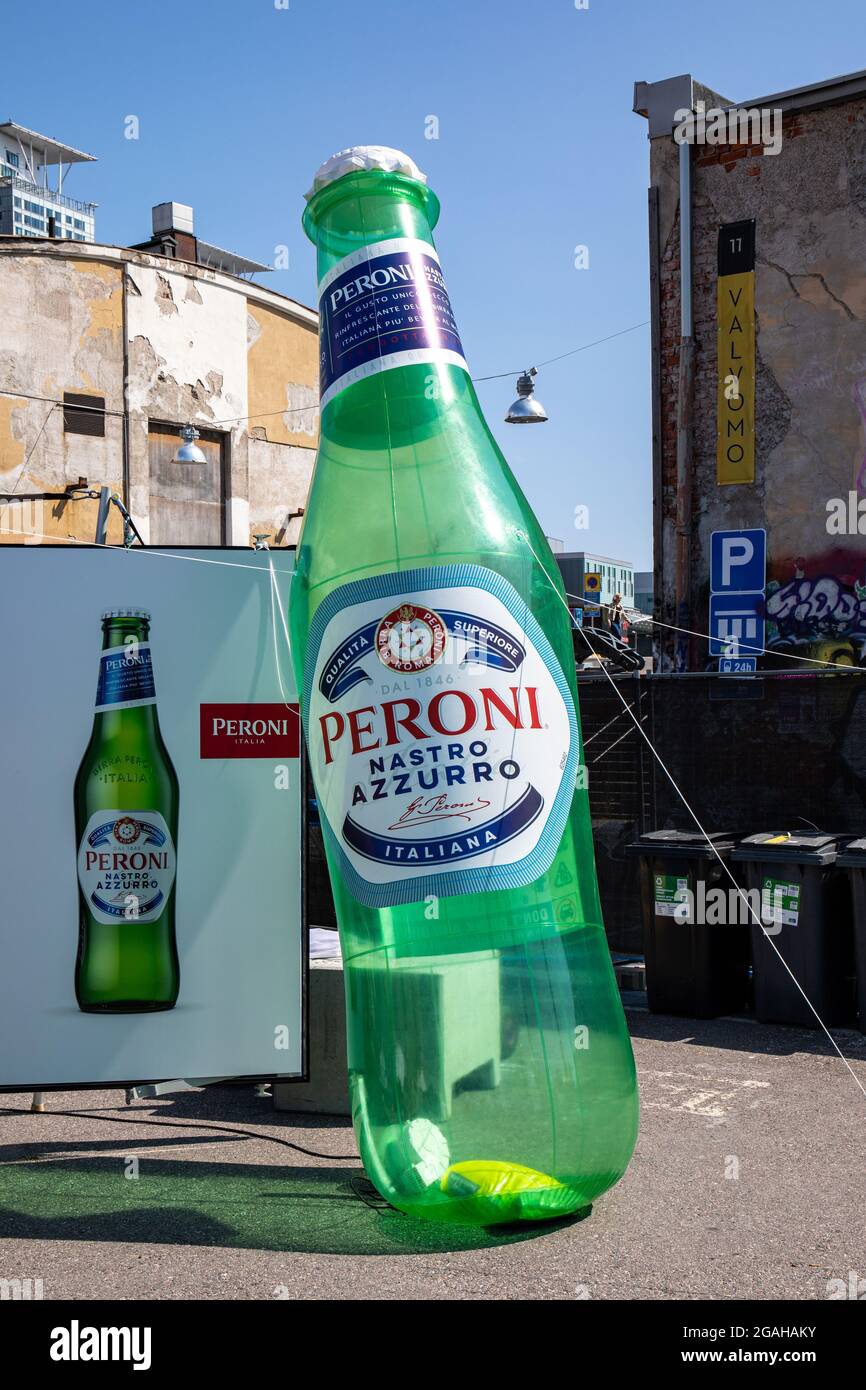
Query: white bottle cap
360	157
126	613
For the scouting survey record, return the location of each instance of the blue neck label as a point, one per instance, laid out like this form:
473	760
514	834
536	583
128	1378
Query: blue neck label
125	678
383	306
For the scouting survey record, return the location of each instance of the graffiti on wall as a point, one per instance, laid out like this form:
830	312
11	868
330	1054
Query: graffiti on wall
821	614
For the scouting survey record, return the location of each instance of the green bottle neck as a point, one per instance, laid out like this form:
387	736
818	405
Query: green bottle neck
402	404
136	722
116	632
366	207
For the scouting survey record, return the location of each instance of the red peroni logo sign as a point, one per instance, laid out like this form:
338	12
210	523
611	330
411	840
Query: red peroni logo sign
461	721
250	731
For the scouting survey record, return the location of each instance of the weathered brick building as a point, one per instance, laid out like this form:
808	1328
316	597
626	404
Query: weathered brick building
799	200
107	352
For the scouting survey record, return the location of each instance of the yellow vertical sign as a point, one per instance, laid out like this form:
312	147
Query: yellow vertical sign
735	302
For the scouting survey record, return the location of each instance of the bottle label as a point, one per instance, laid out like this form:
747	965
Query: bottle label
383	306
125	677
442	734
126	865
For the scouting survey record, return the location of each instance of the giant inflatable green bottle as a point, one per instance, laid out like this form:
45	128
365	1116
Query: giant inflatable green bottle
490	1067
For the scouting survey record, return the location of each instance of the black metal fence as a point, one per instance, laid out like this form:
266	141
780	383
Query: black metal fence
777	751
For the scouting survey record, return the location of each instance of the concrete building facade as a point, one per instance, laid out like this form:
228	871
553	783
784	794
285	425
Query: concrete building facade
616	576
643	590
106	353
801	198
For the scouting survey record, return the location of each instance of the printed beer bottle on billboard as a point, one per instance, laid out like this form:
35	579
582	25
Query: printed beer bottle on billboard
490	1066
126	810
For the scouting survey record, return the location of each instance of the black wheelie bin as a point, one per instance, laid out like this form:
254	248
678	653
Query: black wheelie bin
853	858
696	945
805	929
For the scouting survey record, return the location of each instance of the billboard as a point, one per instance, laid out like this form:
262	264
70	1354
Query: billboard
151	901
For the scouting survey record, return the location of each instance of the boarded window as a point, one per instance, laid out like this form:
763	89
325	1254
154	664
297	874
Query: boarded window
187	500
83	414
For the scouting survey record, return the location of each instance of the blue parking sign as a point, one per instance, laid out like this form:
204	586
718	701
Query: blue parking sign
738	561
738	578
737	624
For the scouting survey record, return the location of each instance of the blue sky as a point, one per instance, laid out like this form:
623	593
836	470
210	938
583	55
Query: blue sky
538	152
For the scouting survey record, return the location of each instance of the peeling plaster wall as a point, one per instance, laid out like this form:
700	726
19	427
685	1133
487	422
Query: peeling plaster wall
809	204
279	480
187	363
187	346
283	370
62	331
203	347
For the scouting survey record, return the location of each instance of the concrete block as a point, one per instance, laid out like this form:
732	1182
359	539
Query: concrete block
327	1091
455	1040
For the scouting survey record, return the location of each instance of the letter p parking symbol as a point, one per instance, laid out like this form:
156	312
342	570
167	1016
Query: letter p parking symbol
738	561
736	551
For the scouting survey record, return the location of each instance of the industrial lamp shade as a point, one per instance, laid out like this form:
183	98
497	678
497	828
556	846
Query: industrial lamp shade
188	451
526	410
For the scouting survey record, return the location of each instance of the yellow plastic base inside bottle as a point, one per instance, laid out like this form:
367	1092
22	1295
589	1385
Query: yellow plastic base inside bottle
487	1192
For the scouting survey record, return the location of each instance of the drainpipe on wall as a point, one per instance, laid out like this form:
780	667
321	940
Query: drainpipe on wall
125	296
659	643
685	409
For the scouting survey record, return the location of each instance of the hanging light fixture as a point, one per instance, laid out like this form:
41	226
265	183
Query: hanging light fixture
188	451
526	410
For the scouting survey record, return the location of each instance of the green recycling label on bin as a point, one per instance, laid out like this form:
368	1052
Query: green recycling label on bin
780	902
670	893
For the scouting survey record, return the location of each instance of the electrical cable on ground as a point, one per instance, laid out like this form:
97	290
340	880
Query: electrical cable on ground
172	1124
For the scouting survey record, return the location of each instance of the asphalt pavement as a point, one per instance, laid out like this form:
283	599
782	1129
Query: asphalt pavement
747	1182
